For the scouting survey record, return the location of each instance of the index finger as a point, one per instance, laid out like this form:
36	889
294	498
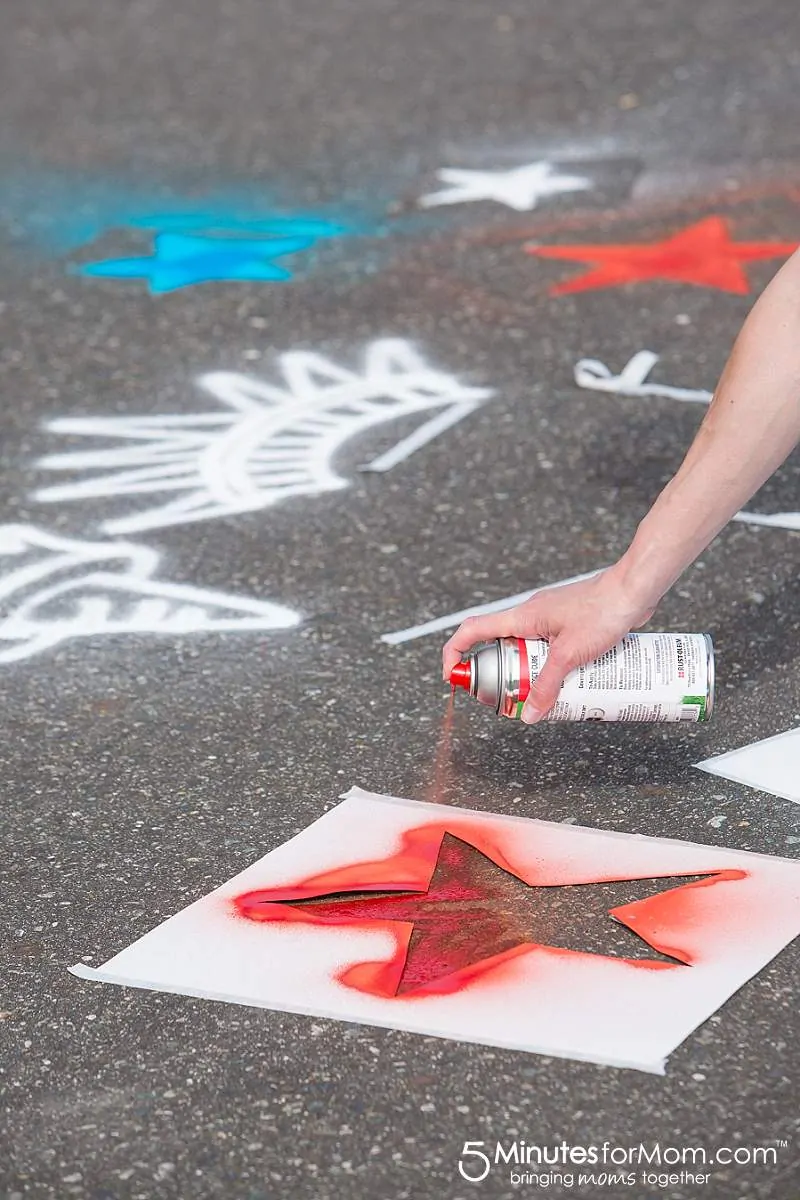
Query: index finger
474	630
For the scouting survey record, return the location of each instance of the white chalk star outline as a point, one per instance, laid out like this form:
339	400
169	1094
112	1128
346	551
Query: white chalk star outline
521	188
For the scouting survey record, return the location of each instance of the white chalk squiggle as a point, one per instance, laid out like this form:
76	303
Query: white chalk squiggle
632	380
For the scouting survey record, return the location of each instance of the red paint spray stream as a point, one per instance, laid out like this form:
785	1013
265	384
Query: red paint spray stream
441	784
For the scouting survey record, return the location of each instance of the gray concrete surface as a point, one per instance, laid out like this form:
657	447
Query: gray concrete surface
138	772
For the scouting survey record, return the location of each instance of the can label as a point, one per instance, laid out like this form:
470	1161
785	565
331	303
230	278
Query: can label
645	677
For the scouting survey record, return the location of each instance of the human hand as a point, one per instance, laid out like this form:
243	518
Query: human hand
579	620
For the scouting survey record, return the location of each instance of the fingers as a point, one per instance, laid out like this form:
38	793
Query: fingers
472	631
545	688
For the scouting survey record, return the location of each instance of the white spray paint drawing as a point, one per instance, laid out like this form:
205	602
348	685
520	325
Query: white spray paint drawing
53	589
450	620
782	520
520	188
771	765
594	375
632	380
236	945
272	442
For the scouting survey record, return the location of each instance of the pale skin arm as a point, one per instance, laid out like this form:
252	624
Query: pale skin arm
750	428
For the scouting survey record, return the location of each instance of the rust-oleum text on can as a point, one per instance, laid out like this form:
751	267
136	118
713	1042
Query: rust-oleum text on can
645	677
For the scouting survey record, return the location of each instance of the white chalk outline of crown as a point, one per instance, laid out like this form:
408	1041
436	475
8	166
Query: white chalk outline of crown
290	433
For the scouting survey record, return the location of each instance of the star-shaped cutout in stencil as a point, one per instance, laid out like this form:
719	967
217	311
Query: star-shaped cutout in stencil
179	260
704	254
520	188
475	913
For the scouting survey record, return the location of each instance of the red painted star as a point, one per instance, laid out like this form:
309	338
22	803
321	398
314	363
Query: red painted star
704	255
475	914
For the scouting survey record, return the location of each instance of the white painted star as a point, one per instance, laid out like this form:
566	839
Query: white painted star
521	188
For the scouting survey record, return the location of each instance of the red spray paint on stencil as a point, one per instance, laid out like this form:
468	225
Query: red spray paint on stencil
447	935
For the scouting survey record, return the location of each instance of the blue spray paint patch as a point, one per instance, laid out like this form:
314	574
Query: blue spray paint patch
180	260
223	234
59	213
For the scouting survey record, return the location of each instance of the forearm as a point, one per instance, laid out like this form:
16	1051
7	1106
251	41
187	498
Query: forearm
751	426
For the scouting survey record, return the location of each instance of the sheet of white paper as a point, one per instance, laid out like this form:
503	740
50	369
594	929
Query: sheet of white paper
772	765
541	998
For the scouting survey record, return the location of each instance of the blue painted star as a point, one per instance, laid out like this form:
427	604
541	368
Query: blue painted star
179	260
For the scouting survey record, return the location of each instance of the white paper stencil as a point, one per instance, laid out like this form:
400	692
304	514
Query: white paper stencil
400	958
772	765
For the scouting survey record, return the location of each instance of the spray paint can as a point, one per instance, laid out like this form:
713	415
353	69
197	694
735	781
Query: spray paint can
645	677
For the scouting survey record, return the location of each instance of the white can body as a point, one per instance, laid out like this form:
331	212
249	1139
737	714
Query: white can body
645	677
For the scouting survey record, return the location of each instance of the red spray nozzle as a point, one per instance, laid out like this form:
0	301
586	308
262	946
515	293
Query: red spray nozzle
461	676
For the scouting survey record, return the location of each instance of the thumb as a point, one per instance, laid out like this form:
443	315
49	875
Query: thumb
545	688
